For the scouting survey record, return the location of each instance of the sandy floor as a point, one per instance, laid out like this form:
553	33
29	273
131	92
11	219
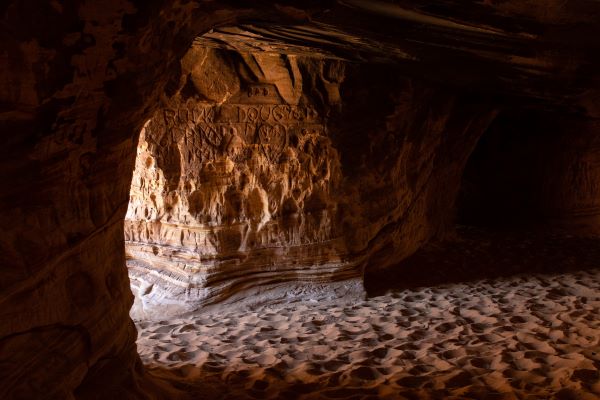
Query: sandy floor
522	337
473	317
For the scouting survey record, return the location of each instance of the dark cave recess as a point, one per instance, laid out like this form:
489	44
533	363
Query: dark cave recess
534	168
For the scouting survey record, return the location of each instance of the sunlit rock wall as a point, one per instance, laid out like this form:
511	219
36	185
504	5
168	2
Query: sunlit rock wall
234	186
267	177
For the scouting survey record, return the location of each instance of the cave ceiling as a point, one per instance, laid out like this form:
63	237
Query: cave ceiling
500	48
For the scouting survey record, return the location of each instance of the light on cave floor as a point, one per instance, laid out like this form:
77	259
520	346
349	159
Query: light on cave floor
510	336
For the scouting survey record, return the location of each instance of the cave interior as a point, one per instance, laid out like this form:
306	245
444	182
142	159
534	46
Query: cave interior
300	200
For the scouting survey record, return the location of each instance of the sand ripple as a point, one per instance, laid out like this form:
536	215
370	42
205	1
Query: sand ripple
533	337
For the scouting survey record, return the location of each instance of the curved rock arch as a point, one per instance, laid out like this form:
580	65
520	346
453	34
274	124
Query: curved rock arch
80	82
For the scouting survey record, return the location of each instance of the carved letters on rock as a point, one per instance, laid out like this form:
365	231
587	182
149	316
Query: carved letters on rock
237	188
266	196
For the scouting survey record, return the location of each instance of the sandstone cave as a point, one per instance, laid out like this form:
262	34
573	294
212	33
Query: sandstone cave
340	199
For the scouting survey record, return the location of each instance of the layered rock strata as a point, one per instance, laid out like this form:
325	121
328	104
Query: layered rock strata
77	82
269	177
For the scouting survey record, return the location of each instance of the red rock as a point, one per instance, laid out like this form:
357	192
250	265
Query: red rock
79	80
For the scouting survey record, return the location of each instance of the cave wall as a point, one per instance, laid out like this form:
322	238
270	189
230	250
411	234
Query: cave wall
78	80
270	176
233	186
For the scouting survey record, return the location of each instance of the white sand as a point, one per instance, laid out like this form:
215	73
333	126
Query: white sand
533	337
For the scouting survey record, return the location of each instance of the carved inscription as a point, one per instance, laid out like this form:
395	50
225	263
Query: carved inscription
273	139
282	113
213	131
258	91
192	114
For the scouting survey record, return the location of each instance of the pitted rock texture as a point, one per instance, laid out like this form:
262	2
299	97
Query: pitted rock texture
234	184
77	82
275	178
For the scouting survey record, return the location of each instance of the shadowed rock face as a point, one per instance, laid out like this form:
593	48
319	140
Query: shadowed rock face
79	81
521	168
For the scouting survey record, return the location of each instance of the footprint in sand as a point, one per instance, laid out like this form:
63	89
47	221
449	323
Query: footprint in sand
513	341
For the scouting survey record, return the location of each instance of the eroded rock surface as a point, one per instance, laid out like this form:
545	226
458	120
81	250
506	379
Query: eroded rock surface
77	82
278	177
235	183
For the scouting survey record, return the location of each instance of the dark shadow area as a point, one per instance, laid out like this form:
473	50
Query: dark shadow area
503	181
477	253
